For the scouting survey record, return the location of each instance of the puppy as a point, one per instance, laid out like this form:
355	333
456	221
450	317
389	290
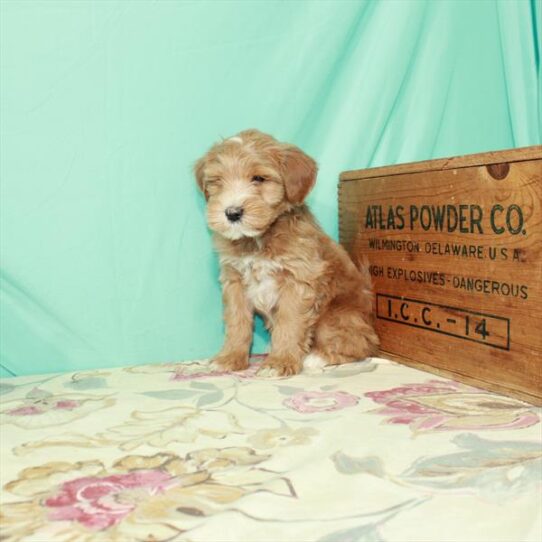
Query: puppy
277	262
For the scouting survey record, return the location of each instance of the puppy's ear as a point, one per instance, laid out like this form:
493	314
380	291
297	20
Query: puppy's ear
199	167
299	171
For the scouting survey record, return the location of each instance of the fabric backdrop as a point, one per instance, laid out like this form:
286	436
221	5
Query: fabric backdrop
105	105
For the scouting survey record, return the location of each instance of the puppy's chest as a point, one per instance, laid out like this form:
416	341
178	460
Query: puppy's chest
260	278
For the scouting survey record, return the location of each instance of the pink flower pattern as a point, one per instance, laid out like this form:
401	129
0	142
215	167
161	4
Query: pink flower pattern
308	402
99	503
43	406
180	376
66	404
199	372
24	411
445	405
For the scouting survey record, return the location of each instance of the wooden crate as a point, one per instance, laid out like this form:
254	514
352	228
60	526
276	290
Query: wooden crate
455	251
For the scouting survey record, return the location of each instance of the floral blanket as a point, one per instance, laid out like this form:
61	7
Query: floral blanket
368	452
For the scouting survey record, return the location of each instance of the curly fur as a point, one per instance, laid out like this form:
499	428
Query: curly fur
277	261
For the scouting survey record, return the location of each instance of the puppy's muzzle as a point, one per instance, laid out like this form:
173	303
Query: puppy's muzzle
234	214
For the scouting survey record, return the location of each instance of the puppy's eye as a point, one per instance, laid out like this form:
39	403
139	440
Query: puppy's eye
258	179
212	186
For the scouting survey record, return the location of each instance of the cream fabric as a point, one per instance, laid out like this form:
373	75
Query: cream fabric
371	452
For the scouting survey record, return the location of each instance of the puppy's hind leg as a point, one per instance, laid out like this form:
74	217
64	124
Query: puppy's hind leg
343	335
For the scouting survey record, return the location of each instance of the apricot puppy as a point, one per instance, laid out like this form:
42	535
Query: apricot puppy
276	261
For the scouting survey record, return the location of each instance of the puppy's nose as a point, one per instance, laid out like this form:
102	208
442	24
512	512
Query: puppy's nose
234	214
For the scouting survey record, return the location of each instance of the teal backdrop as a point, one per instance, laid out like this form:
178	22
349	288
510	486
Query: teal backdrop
105	105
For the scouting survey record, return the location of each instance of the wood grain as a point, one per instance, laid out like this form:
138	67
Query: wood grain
455	247
452	162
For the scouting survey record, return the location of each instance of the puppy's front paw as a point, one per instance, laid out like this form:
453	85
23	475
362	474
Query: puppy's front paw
266	371
230	361
276	366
